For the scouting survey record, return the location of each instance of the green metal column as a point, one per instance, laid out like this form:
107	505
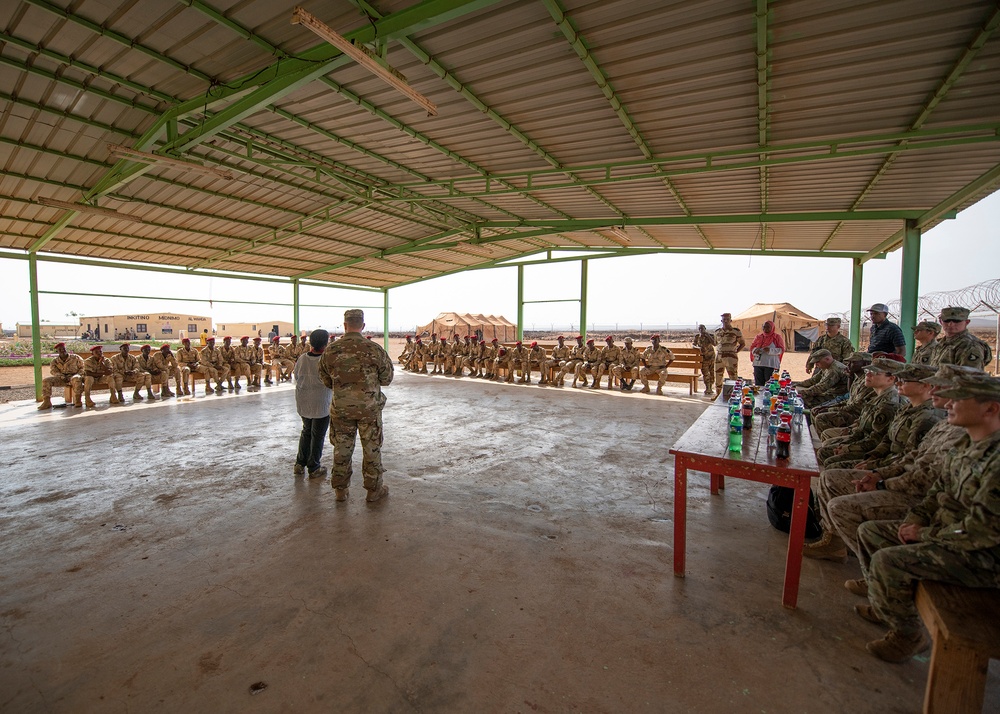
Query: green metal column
909	283
583	298
36	330
295	308
520	302
385	319
857	278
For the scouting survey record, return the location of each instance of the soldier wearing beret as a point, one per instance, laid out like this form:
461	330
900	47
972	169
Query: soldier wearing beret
459	351
535	356
627	369
404	356
96	370
560	353
242	356
959	346
828	382
442	354
281	365
125	367
64	371
705	342
212	366
952	535
656	359
836	343
574	360
145	362
874	421
589	360
228	357
925	335
187	359
611	355
166	366
255	357
356	369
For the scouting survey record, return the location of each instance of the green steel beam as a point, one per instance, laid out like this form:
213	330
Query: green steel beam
857	279
583	297
36	332
801	217
964	60
520	302
909	282
187	299
945	209
295	307
385	320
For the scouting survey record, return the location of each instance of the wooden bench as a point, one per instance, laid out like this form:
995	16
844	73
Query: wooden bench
965	626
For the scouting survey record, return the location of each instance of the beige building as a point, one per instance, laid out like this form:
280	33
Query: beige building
159	326
48	330
255	329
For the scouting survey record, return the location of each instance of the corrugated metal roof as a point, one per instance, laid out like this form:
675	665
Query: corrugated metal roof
636	114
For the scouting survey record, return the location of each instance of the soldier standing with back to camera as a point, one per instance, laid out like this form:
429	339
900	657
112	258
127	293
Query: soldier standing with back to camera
356	369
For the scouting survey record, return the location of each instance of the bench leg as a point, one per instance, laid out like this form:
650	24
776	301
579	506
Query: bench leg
956	682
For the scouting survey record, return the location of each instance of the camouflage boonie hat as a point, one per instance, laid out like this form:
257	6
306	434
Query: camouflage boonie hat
954	313
865	357
820	354
884	365
948	373
354	314
916	372
928	325
628	340
972	386
833	321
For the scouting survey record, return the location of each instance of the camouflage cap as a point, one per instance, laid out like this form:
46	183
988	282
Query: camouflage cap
973	386
833	321
928	325
726	314
354	314
954	313
865	357
916	372
885	365
820	354
628	340
947	374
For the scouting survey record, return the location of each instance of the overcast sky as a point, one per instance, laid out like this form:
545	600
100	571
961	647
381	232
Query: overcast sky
651	290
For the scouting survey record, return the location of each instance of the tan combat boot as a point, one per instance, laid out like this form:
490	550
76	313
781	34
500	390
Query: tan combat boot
136	396
342	493
378	494
149	393
858	587
659	390
114	397
898	648
121	397
829	547
46	404
165	392
645	389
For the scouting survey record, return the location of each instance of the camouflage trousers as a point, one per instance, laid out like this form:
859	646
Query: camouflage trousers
894	569
567	367
726	363
137	380
343	434
708	372
49	382
844	511
660	372
834	420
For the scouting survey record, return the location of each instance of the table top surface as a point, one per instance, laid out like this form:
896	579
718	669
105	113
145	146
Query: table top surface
709	437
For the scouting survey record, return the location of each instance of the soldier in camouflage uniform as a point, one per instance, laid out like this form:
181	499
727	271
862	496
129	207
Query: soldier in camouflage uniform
488	353
888	492
356	369
574	360
911	423
281	365
442	355
64	371
242	354
212	366
952	536
837	344
925	335
839	412
706	343
255	361
829	381
166	366
96	370
418	360
124	368
501	361
560	353
959	346
535	355
589	360
627	369
456	361
404	357
145	362
874	421
729	341
656	359
228	356
611	355
187	358
516	357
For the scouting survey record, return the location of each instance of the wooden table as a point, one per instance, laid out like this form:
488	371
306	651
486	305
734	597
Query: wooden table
705	447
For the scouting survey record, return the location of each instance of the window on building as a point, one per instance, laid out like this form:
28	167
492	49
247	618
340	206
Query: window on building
192	328
141	327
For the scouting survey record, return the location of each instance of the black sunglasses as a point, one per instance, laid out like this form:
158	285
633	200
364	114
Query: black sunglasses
952	320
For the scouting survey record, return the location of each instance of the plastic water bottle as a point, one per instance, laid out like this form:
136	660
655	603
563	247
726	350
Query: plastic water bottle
773	422
797	412
736	433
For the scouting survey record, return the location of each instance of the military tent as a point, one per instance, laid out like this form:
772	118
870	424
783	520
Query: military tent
796	327
485	327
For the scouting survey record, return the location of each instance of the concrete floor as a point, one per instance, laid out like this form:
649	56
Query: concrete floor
164	558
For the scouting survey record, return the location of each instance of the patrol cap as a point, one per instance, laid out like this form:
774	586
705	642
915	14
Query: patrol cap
354	314
628	340
833	321
726	314
879	307
821	354
947	374
954	313
928	325
96	347
884	365
916	372
972	386
57	345
865	357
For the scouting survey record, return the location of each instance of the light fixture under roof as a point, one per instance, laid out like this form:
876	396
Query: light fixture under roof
362	57
620	235
84	208
119	150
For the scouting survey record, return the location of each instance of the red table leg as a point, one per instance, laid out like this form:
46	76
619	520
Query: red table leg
793	561
680	514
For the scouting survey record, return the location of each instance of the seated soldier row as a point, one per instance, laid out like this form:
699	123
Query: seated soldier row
494	361
148	368
910	483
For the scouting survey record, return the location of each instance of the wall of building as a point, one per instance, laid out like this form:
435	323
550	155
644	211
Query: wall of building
159	326
238	329
48	330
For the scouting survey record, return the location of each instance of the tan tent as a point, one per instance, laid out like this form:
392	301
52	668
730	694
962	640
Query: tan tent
795	326
486	327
